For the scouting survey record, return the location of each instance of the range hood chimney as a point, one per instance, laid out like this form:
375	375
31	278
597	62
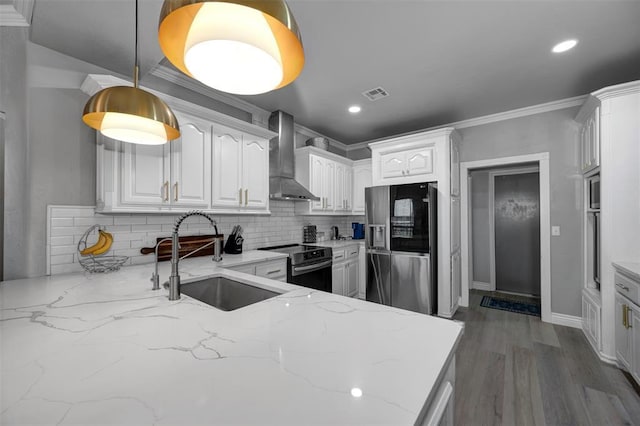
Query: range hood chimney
282	185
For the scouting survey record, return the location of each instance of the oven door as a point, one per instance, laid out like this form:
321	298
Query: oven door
315	275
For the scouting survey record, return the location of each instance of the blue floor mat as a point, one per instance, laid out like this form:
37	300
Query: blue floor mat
510	305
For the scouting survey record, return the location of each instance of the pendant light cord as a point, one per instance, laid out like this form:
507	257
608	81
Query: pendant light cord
136	69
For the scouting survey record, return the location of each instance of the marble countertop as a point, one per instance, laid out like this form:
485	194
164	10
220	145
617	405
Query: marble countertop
630	268
105	348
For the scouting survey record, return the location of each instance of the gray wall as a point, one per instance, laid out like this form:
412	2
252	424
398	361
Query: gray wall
557	133
480	225
13	100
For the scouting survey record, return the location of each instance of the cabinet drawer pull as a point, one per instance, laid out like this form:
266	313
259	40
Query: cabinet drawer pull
246	197
166	191
240	196
175	187
275	271
339	257
625	288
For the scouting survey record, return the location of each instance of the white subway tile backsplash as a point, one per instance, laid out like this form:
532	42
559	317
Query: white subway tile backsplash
67	224
63	240
129	220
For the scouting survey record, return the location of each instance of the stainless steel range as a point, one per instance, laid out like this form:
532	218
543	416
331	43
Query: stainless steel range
307	265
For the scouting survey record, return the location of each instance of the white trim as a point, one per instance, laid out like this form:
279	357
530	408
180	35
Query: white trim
492	218
96	82
545	223
479	285
566	320
259	116
492	118
16	14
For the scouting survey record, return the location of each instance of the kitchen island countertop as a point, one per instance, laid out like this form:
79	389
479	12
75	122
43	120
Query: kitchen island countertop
105	348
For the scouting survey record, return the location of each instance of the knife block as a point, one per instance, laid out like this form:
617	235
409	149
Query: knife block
233	245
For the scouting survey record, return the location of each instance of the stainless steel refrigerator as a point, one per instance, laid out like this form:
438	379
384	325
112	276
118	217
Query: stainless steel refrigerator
401	246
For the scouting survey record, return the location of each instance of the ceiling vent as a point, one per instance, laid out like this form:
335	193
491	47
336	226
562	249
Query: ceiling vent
375	94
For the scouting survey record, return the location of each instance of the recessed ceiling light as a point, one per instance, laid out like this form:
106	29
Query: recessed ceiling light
564	46
354	109
356	392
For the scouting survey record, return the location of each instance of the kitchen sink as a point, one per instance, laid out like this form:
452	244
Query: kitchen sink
224	293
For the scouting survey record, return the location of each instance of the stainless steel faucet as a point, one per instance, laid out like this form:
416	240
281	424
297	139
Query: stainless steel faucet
155	278
174	278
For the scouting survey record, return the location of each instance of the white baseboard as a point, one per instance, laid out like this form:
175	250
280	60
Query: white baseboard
566	320
479	285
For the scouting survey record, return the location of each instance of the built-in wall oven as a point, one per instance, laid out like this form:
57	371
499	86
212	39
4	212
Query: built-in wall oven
307	265
593	188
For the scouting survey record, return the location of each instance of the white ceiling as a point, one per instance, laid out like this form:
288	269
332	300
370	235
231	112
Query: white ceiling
441	61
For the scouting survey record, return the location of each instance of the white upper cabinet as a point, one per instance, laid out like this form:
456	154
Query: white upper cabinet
145	174
240	170
393	165
361	180
173	174
455	167
227	172
191	164
590	141
211	167
327	176
255	166
419	161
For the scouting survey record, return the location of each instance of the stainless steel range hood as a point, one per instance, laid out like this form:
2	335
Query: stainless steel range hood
282	185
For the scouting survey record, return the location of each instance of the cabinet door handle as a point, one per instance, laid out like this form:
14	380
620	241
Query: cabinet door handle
240	196
246	197
165	189
624	316
625	288
628	321
175	194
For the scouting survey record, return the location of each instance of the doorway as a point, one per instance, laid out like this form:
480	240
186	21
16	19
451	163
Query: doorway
541	160
515	234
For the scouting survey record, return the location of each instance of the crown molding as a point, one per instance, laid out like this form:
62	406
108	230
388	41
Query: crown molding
258	115
617	90
96	82
312	134
488	119
17	13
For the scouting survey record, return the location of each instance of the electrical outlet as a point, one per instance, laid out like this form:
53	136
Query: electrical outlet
555	231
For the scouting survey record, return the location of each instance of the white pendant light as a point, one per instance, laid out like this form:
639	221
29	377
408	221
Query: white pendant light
240	47
130	114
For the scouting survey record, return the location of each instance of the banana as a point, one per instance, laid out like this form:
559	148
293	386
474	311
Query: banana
106	246
102	240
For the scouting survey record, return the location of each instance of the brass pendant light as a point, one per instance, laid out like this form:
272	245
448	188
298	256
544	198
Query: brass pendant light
244	47
130	114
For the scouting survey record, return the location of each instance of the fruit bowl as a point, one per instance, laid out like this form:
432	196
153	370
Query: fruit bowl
92	258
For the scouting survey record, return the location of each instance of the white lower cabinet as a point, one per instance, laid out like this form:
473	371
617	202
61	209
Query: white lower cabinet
627	324
591	309
272	269
345	271
440	411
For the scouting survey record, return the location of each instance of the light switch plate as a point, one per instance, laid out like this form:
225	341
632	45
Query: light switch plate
555	231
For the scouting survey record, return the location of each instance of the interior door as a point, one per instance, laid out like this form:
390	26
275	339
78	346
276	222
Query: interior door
517	233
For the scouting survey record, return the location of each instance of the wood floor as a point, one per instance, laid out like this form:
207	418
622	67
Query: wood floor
513	369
